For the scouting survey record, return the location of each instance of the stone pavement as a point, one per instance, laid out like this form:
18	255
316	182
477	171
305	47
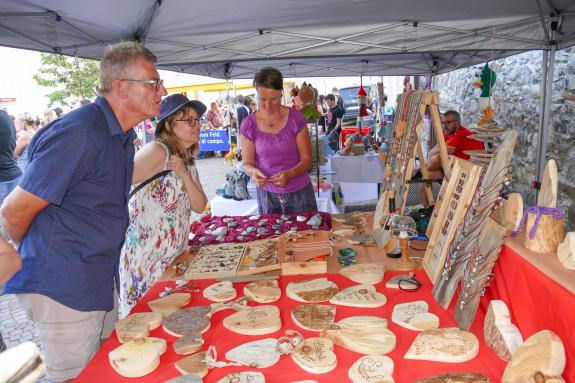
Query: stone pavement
14	326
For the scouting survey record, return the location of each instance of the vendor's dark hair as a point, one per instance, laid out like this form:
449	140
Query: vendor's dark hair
453	113
269	78
330	97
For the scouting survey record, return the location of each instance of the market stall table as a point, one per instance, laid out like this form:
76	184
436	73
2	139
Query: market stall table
366	168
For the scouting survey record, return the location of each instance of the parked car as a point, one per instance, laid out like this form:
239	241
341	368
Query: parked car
351	105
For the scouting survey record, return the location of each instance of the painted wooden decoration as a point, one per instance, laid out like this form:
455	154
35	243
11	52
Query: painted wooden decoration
261	353
243	377
315	355
220	292
304	252
456	377
263	291
359	296
312	291
414	316
511	211
372	369
137	325
499	333
188	321
188	378
258	320
313	317
362	334
364	273
193	364
447	345
548	192
543	353
566	251
170	303
188	344
138	357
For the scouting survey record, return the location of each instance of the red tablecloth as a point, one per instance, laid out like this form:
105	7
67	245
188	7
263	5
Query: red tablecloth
535	302
99	370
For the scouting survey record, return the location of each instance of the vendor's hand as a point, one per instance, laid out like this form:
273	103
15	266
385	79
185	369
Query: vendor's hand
177	164
280	179
259	178
450	149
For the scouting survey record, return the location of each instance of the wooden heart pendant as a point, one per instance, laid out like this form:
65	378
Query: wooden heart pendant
315	355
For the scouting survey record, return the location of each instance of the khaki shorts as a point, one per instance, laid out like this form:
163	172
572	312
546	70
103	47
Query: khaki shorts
70	338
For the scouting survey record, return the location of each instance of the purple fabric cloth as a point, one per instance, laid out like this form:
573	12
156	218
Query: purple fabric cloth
277	152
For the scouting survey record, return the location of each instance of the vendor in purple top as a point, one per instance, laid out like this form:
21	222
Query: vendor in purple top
276	150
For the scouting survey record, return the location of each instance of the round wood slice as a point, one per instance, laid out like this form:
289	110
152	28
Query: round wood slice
371	369
188	321
548	191
362	334
170	304
550	233
414	316
359	296
313	317
243	377
220	292
566	251
193	364
258	320
264	291
448	345
364	273
511	212
137	325
315	355
188	344
312	291
138	357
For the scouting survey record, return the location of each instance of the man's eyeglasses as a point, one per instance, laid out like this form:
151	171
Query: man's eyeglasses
448	122
158	83
191	121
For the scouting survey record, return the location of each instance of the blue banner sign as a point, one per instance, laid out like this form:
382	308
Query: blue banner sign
214	140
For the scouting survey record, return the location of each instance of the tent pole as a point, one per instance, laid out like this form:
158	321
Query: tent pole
546	93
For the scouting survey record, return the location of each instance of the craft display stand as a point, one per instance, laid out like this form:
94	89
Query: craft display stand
304	252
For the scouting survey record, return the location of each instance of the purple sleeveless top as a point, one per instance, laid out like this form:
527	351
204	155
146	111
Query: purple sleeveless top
277	152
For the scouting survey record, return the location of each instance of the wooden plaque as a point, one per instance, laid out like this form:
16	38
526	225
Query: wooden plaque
257	320
315	355
217	261
313	317
499	333
243	377
193	364
414	316
448	345
312	291
188	344
263	291
220	292
511	212
456	377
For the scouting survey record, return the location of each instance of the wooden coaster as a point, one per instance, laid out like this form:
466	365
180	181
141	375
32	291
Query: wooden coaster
261	353
312	291
258	320
188	344
138	357
372	369
511	212
499	333
193	364
137	325
313	317
364	273
359	296
188	321
548	191
448	345
414	316
315	355
264	291
456	377
220	292
362	334
243	377
170	304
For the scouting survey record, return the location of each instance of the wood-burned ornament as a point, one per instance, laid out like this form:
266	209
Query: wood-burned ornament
499	333
263	291
220	292
170	304
312	291
188	344
359	296
364	273
456	377
372	369
193	364
138	357
244	377
362	334
313	317
258	320
188	378
315	355
261	353
137	325
414	316
188	321
448	345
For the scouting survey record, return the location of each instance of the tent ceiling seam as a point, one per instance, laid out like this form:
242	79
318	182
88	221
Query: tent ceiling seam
149	22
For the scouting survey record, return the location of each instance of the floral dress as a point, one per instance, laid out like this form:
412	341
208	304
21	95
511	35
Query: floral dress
158	232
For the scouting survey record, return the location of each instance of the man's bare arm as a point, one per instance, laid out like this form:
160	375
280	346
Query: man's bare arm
18	211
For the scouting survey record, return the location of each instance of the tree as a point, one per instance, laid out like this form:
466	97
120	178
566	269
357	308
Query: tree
74	79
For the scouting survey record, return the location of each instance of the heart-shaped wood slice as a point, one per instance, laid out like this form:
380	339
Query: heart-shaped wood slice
220	292
188	344
315	355
193	364
313	317
138	357
372	369
364	273
170	304
448	345
137	325
261	353
264	291
243	377
362	334
188	321
359	296
258	320
188	378
414	316
312	291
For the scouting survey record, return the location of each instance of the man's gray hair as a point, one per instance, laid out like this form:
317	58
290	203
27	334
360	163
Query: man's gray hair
117	61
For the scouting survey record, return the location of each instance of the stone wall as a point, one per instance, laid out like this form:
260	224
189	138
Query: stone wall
516	104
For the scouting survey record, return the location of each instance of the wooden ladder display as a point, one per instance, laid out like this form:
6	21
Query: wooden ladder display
404	147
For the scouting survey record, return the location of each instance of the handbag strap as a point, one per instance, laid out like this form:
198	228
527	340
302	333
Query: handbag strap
144	183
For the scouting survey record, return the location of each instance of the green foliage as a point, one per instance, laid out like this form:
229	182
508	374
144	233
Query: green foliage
73	79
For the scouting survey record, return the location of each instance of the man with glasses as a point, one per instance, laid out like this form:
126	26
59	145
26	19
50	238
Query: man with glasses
69	212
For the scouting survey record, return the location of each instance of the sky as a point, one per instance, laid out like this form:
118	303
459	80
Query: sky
18	66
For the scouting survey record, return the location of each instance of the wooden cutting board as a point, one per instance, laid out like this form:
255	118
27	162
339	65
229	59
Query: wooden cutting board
263	291
188	321
193	364
359	296
170	304
188	344
414	316
499	333
313	317
362	334
312	291
315	355
257	354
137	325
258	320
137	358
220	292
372	369
447	345
364	273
